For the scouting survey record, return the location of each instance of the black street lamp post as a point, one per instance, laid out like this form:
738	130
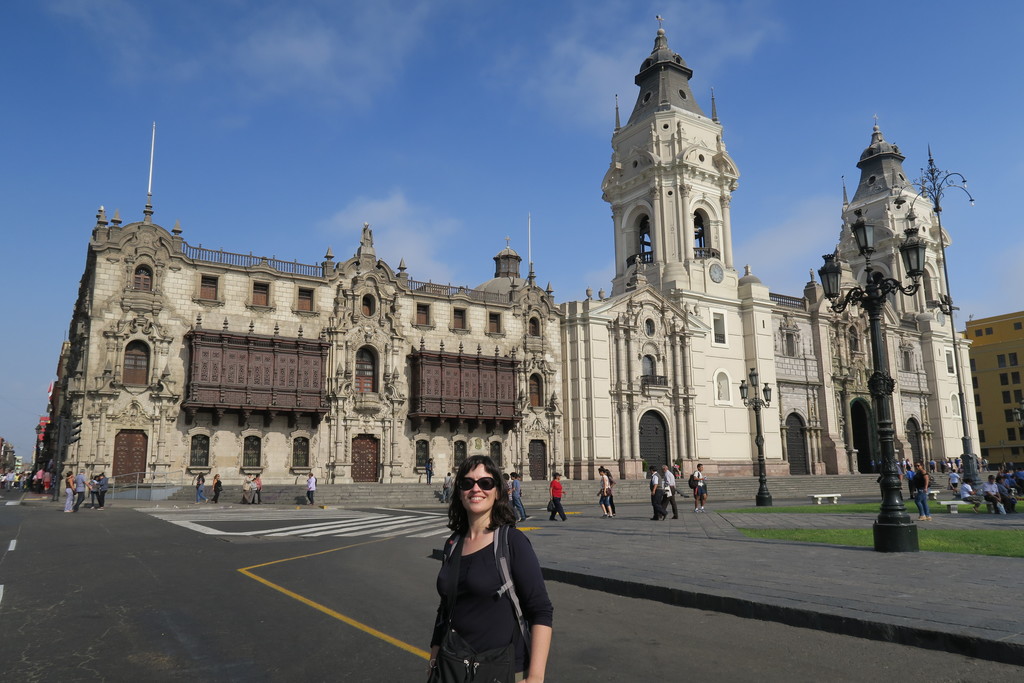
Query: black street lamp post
893	530
763	498
933	184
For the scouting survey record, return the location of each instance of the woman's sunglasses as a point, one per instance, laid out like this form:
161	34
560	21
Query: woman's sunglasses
485	483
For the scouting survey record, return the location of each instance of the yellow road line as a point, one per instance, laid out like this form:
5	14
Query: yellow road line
327	610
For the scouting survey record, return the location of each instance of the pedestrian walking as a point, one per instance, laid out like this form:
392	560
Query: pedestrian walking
218	486
922	480
429	469
555	489
604	494
80	487
517	498
699	484
611	489
446	488
657	495
247	490
200	486
102	486
69	492
668	486
257	489
310	488
513	626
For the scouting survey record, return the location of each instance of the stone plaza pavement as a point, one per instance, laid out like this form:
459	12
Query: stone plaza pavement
966	604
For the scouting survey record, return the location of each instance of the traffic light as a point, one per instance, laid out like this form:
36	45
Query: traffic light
75	433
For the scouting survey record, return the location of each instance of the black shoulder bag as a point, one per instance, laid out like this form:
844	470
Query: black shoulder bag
457	661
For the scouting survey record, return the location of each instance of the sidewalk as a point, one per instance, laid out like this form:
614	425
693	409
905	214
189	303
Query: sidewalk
965	604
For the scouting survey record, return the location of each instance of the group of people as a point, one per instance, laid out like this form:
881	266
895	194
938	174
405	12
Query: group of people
997	491
10	480
77	485
664	493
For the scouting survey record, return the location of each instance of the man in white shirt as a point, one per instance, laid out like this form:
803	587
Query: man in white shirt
991	493
967	493
954	480
657	495
668	487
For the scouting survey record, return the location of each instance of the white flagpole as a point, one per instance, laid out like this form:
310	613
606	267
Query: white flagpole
152	148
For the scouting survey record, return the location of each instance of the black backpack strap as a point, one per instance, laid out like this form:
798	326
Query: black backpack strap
508	587
452	557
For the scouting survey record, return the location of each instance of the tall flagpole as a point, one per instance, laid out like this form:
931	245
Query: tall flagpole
149	188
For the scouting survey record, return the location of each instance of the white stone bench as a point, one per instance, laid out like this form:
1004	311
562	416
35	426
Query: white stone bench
954	505
818	497
933	494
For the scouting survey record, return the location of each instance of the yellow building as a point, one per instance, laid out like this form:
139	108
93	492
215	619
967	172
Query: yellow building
997	354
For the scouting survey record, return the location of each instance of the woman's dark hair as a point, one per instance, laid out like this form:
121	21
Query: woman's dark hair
502	512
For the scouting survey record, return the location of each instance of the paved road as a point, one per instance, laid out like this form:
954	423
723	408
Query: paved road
129	595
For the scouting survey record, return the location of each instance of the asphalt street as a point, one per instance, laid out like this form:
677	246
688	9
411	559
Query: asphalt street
157	594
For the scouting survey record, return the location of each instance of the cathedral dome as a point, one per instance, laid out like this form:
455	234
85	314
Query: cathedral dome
879	145
749	278
506	272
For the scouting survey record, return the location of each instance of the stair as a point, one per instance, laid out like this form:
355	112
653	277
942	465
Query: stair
535	493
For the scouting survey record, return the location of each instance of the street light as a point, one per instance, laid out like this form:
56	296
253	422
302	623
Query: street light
893	530
933	183
763	498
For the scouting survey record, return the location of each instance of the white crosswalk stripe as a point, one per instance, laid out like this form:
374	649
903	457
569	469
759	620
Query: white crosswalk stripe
311	524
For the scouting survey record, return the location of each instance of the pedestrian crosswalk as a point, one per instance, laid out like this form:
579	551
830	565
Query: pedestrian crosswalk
381	523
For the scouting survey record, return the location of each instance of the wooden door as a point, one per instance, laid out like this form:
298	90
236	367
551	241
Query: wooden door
130	446
365	458
653	439
538	460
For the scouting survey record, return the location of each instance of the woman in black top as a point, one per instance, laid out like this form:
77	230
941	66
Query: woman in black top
479	507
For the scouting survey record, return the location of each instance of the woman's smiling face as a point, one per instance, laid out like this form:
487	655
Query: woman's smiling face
476	500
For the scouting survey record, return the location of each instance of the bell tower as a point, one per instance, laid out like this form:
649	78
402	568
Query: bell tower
669	185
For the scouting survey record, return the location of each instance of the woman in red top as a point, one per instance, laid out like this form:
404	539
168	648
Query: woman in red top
556	496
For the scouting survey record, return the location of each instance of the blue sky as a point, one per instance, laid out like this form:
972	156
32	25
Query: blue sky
283	126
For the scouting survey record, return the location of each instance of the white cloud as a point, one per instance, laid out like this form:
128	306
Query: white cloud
401	229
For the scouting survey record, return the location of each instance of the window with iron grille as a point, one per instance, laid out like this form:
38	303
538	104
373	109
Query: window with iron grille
496	452
460	453
252	451
300	452
199	455
422	452
534	328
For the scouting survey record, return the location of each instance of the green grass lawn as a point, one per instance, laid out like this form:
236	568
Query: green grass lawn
1008	543
847	507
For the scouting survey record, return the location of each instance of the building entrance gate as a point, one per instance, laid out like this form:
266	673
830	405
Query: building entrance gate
365	458
130	446
653	440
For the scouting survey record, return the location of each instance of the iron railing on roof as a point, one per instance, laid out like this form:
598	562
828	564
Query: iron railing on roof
450	291
784	300
248	260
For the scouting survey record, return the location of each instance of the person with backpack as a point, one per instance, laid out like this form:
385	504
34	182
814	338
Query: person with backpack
699	484
494	617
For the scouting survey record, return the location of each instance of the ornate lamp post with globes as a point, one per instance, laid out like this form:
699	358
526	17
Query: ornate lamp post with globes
933	184
763	498
893	530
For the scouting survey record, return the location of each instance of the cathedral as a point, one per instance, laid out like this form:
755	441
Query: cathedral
182	360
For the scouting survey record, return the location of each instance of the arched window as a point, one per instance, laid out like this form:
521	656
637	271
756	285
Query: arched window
300	452
644	235
536	391
252	451
143	279
699	230
136	363
199	454
460	453
366	371
954	402
422	452
496	452
790	344
369	305
649	366
534	327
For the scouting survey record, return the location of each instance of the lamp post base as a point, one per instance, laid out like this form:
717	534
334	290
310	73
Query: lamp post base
895	538
763	499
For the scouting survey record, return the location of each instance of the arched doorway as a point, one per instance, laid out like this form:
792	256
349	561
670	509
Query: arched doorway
130	446
653	439
863	436
914	439
796	444
365	458
538	460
